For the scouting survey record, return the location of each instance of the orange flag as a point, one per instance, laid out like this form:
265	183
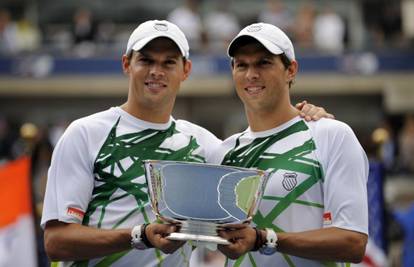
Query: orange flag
17	235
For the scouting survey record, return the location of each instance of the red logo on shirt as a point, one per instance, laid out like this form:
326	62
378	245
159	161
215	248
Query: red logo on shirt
76	213
327	218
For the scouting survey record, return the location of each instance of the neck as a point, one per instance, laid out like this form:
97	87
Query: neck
154	115
266	120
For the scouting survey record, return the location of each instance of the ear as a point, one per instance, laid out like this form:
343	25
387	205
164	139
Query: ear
125	64
187	69
292	70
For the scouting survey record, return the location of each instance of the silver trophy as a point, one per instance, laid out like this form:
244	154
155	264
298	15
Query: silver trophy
203	198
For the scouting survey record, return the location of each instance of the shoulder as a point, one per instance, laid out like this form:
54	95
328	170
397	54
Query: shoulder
90	127
221	150
97	121
232	138
330	129
336	140
187	127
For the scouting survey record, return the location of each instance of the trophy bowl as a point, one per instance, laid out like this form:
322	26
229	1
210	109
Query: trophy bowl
203	198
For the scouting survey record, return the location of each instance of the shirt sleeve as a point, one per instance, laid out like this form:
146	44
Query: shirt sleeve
345	168
70	178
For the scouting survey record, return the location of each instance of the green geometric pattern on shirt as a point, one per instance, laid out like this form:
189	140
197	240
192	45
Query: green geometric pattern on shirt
137	147
254	155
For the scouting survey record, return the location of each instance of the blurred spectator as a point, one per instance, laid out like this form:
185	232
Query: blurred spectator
8	34
383	22
383	137
28	36
16	37
83	28
275	13
221	26
329	31
27	140
106	32
390	21
84	32
188	19
303	29
406	144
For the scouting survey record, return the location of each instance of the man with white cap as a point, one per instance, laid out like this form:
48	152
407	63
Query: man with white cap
314	208
96	209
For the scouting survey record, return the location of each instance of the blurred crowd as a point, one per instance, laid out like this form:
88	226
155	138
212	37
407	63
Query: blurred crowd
322	28
395	145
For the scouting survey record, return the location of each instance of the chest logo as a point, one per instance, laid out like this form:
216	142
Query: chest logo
289	180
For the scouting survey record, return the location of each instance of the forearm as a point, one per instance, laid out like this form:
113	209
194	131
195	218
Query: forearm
77	242
329	244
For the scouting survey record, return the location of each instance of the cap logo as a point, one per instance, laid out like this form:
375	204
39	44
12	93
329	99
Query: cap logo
254	28
161	27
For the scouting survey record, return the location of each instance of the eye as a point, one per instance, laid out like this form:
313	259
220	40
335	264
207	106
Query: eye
170	62
144	60
240	65
264	62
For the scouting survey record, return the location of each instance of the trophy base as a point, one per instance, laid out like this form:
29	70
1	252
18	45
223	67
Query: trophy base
198	238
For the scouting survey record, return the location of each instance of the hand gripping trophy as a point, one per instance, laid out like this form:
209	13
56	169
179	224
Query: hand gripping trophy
202	198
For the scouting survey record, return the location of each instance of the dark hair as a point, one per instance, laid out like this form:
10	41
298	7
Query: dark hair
286	62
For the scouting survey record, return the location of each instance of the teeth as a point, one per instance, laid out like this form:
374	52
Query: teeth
254	89
155	85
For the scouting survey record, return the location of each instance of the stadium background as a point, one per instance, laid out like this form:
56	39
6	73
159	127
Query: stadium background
60	60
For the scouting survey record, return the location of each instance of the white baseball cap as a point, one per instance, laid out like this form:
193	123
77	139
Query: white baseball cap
270	36
152	29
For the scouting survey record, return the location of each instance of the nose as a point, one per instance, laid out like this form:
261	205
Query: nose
156	71
252	74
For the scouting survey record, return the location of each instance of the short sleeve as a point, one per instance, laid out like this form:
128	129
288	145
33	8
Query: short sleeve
70	178
345	168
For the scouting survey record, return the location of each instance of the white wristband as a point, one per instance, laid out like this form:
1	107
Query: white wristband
271	238
136	238
270	246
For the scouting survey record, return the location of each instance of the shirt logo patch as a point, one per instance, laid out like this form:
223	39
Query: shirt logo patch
289	180
75	213
327	218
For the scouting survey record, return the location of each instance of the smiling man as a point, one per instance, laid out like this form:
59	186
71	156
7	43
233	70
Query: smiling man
96	209
314	207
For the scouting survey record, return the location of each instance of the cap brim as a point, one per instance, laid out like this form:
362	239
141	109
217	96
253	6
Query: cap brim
143	42
236	42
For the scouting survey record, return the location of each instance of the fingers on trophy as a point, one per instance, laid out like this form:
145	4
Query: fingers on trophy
202	199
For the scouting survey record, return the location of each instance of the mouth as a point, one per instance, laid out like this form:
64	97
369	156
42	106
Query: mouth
254	90
155	85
